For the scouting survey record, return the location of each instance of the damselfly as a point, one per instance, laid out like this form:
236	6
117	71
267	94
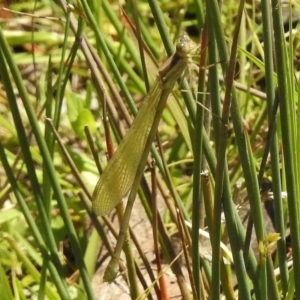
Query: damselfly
118	177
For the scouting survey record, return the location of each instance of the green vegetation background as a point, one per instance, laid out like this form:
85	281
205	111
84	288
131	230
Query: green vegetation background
230	126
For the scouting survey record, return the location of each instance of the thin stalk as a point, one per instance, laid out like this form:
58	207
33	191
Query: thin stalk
140	43
221	153
161	290
287	118
198	138
274	151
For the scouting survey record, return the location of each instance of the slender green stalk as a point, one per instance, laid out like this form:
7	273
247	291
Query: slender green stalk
221	154
161	25
198	139
274	151
287	118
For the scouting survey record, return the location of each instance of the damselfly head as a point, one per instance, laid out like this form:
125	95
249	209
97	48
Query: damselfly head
185	45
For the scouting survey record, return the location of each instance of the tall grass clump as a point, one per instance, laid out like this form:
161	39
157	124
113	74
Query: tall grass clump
217	214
